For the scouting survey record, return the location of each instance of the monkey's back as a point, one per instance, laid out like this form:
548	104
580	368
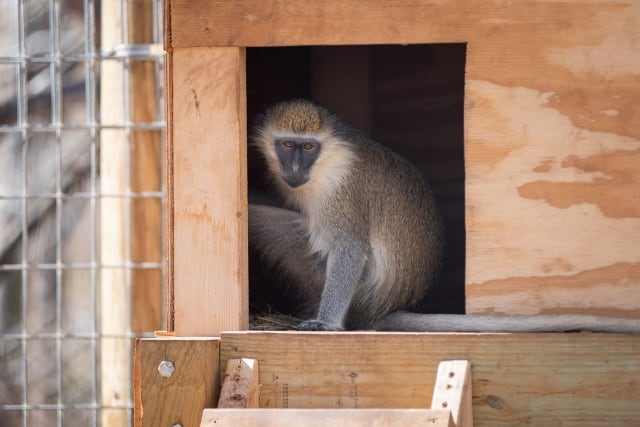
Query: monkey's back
405	234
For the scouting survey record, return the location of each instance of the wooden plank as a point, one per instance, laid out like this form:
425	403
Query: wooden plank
452	391
115	348
164	397
208	193
145	175
540	379
240	386
332	22
335	22
326	417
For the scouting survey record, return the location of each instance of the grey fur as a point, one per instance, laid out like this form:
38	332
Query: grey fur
362	239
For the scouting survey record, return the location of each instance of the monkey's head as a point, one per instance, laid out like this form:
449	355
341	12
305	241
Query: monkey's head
299	140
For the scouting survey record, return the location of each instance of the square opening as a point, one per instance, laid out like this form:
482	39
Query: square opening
409	98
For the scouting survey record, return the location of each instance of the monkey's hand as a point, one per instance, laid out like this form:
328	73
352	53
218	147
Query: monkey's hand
318	325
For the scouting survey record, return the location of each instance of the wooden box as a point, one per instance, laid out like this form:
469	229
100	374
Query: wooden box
551	202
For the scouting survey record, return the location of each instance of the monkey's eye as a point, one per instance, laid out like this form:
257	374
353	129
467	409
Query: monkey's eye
308	146
287	144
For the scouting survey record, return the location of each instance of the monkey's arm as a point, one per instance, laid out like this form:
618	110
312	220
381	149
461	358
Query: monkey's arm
416	322
345	265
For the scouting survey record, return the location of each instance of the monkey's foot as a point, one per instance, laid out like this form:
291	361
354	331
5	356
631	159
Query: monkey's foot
317	325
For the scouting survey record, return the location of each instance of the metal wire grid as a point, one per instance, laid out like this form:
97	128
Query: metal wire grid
22	408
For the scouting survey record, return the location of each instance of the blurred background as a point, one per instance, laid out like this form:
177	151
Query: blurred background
81	148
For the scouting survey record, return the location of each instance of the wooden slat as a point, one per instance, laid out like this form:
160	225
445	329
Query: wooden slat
541	379
145	175
240	386
208	191
326	417
181	397
115	348
452	391
334	22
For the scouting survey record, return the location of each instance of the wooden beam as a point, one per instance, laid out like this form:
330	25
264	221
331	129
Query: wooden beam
174	380
241	386
115	347
452	391
145	175
332	22
326	417
207	191
545	379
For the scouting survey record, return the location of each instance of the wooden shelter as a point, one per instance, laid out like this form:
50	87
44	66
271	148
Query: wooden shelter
550	106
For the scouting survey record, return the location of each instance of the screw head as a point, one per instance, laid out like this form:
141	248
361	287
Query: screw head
166	368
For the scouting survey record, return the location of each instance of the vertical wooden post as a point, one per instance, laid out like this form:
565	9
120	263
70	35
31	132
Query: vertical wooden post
145	173
207	190
452	391
137	308
114	312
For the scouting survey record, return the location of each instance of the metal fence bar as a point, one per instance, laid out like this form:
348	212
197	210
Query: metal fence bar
46	275
92	117
21	96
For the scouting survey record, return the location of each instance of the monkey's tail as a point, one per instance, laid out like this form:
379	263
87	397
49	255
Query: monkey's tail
403	321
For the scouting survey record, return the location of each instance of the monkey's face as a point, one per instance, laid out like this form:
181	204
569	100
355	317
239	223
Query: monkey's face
296	156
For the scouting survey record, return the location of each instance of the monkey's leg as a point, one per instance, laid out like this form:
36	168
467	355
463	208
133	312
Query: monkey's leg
281	239
416	322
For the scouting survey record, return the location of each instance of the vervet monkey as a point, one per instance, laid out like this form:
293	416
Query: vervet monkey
361	238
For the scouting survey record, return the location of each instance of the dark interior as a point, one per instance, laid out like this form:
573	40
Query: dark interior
410	98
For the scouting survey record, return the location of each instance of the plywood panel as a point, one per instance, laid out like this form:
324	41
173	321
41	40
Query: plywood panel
552	146
208	191
537	379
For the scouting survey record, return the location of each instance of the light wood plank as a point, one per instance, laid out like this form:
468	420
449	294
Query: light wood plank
208	193
332	22
545	379
115	349
145	152
326	417
452	391
180	397
241	386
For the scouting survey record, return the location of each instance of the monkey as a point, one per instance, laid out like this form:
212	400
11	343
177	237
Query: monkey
360	235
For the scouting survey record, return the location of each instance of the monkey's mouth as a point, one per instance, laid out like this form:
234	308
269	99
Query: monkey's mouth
295	180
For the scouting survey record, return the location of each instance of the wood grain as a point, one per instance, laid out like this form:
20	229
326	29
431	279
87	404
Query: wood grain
181	397
538	379
452	391
208	194
326	418
241	386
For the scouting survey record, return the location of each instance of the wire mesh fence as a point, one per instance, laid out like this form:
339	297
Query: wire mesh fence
81	131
